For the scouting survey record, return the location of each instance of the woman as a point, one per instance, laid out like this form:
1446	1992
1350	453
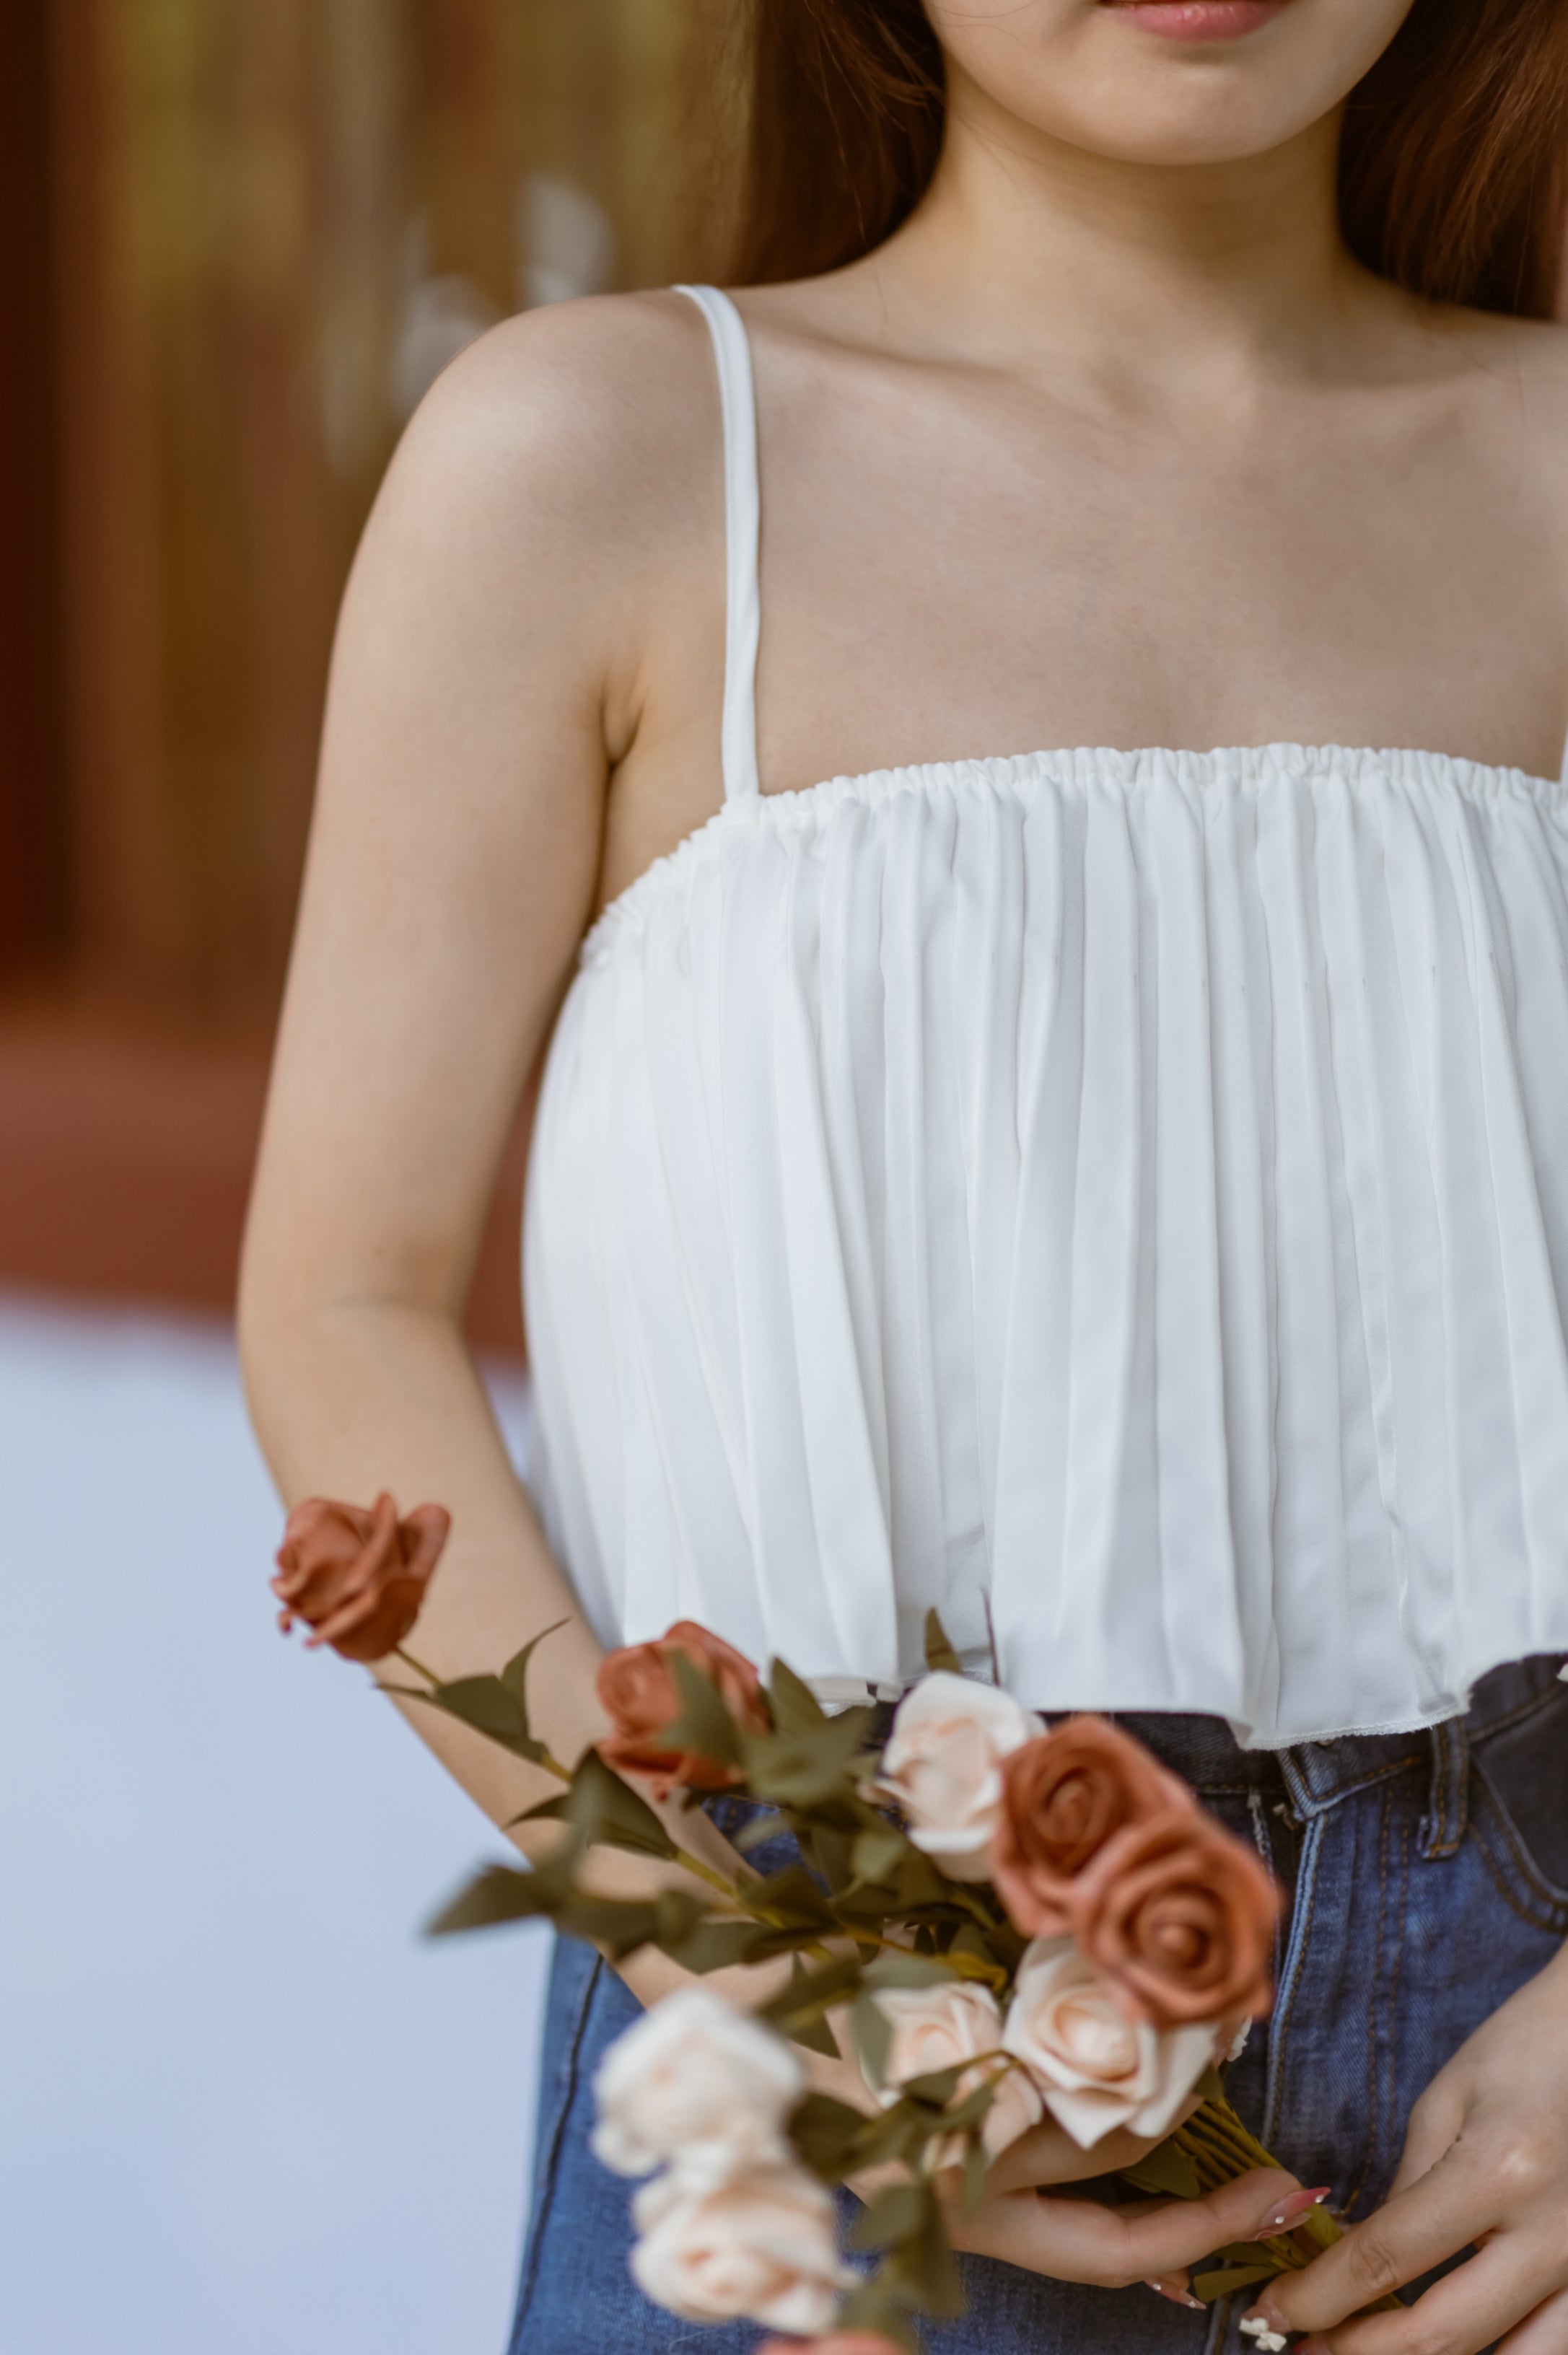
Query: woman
1118	1196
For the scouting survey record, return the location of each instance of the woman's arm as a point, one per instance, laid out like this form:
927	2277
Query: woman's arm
489	669
505	642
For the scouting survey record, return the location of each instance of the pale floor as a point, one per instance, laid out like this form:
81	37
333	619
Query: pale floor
244	2110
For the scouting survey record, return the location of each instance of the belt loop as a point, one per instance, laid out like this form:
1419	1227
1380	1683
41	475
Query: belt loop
1443	1824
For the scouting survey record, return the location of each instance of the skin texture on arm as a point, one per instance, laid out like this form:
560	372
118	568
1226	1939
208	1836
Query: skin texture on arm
452	869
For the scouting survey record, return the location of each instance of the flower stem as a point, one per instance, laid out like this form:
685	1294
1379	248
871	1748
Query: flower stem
418	1667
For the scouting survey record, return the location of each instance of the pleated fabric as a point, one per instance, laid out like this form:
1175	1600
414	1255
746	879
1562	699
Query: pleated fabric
1118	1199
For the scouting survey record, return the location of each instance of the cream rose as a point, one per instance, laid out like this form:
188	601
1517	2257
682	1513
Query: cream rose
698	2082
1097	2069
943	1767
945	2026
761	2247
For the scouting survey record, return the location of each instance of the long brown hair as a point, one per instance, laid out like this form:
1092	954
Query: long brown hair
1453	169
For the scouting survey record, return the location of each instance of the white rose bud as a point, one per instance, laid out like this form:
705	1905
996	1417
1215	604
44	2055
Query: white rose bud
1096	2068
699	2084
761	2248
945	2026
942	1766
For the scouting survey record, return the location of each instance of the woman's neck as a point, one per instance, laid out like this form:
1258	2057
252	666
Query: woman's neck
1036	253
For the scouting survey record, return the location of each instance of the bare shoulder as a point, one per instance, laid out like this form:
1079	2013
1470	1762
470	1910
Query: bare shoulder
585	420
1519	366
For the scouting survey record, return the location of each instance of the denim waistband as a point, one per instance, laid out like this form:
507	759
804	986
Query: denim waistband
1313	1776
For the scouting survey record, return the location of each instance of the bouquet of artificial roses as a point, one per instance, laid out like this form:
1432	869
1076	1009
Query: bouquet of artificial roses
1013	1920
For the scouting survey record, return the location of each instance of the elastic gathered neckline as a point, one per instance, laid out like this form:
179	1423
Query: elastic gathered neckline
1082	766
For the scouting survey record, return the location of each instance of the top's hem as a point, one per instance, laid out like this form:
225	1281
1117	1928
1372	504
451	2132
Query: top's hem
839	1692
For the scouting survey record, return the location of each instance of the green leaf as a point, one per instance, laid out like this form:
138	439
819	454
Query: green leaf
875	2308
939	1651
1166	2172
922	2269
938	2087
491	1709
815	2035
610	1814
900	2132
977	2167
795	1707
515	1675
793	1894
812	1765
873	2035
825	2133
1211	2085
715	1946
879	1851
908	1971
916	1882
963	2116
498	1895
811	1993
897	2214
704	1726
1228	2279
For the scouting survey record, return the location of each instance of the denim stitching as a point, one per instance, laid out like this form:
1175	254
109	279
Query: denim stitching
1500	1844
1290	1977
1374	2006
567	2080
1310	1805
1521	1708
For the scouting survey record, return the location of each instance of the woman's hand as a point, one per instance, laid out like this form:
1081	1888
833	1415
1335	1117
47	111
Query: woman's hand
1485	2162
1024	2220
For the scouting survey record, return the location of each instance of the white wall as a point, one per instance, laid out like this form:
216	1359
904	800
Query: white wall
243	2109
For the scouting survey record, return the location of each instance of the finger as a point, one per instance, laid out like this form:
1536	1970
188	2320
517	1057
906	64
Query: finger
1176	2288
1079	2240
1434	2219
1433	2129
1545	2332
1467	2310
1048	2154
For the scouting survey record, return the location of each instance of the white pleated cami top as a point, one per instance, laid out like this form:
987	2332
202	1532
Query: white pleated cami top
1120	1198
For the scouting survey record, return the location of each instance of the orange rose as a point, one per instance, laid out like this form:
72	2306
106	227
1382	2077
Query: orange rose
642	1700
1063	1797
356	1578
1180	1916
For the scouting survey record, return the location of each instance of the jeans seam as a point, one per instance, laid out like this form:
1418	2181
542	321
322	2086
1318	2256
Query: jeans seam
1290	1977
1492	1825
1319	1803
1521	1708
548	2171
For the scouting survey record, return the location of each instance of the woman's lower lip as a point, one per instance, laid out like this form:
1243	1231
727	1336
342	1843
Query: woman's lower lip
1198	20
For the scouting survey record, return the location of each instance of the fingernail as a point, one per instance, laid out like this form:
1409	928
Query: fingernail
1285	2212
1176	2292
1264	2323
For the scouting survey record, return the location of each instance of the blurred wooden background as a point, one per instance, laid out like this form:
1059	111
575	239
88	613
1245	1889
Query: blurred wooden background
237	243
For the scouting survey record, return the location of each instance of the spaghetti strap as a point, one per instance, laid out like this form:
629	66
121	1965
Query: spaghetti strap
742	513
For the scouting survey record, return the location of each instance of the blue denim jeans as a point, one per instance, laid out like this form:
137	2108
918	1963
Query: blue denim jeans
1428	1875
